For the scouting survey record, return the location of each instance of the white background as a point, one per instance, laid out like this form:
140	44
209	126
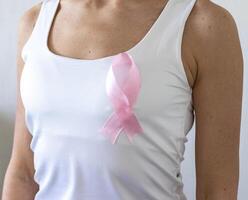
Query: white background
10	12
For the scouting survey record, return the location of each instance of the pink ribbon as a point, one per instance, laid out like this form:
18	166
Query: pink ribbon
122	86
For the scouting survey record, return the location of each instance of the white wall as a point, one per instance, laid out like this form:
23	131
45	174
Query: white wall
10	12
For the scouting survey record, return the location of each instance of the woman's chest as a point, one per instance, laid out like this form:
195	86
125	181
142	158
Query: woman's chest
90	33
82	89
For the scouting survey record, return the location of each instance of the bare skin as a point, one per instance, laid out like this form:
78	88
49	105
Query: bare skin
213	63
217	96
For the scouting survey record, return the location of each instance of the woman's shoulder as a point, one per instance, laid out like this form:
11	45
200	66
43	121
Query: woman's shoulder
29	17
208	17
208	22
27	22
209	28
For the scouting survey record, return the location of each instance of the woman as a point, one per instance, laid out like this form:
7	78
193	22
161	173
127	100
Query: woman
138	71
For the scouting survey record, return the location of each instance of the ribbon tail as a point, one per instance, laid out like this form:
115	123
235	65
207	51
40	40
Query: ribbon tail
111	128
132	127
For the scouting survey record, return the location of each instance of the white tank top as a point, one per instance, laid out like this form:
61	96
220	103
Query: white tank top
66	103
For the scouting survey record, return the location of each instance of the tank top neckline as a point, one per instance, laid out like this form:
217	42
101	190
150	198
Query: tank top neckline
148	35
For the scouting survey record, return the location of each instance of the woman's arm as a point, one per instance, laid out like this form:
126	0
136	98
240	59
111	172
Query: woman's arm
217	98
18	182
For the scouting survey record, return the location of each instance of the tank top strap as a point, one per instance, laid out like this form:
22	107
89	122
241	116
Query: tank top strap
39	35
167	42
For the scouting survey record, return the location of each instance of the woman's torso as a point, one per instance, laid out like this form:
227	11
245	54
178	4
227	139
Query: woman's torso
65	103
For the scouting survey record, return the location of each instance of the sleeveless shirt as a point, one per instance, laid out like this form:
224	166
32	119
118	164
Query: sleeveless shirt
65	104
